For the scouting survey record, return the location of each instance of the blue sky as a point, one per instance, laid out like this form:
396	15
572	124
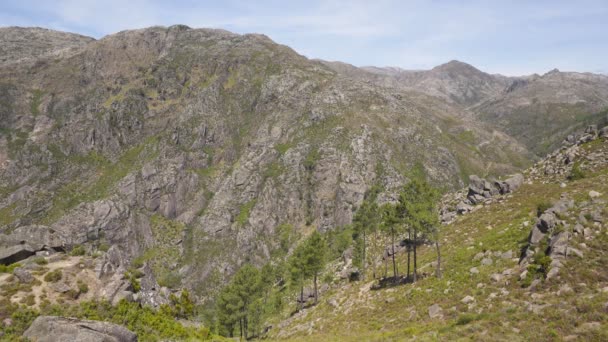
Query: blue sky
508	37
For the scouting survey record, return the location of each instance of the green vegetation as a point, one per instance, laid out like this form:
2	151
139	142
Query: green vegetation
7	214
147	323
366	222
53	276
307	262
244	211
35	102
40	260
9	268
77	251
542	207
108	174
82	287
282	148
239	301
576	173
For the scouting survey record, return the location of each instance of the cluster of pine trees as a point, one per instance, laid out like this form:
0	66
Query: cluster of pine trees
253	294
414	217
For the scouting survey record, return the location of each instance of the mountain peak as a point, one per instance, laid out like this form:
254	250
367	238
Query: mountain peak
455	65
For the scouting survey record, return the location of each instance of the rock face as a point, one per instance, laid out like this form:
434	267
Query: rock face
51	329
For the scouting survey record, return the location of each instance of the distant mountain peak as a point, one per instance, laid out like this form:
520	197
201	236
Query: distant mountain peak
455	65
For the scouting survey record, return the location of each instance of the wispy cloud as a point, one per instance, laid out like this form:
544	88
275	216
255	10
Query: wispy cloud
507	37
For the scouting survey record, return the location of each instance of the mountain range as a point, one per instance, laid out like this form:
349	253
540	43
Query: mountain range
184	150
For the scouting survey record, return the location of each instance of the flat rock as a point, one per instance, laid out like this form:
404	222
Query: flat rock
486	261
467	300
435	311
51	328
496	277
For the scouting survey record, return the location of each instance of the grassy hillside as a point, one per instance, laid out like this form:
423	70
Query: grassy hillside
572	306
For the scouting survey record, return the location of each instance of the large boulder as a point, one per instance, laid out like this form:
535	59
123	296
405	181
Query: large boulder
51	328
15	253
547	221
23	275
536	235
476	185
511	184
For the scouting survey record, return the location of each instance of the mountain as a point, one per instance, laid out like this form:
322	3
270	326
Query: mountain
216	137
539	111
19	44
180	154
454	82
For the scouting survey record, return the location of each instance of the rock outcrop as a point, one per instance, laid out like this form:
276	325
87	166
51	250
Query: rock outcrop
51	329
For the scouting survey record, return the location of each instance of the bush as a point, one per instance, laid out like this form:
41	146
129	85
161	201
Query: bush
82	287
542	207
77	251
135	285
170	279
104	247
39	260
29	300
53	276
9	268
465	319
576	173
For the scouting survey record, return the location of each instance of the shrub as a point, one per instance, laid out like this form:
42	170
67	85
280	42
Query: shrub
576	172
53	276
82	287
135	285
29	300
104	247
542	207
77	251
170	279
9	268
465	319
39	260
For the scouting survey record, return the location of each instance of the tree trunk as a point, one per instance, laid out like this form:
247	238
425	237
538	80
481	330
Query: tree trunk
438	273
241	327
415	259
374	250
316	290
393	249
245	324
302	297
363	263
409	251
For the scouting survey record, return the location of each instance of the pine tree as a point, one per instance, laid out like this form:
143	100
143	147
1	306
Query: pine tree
307	262
366	222
316	251
237	297
391	224
418	206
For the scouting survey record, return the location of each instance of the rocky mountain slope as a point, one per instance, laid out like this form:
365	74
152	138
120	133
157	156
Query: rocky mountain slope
538	111
187	148
528	265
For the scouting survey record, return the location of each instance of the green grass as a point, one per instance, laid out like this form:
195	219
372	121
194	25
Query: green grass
244	211
35	102
7	214
498	227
